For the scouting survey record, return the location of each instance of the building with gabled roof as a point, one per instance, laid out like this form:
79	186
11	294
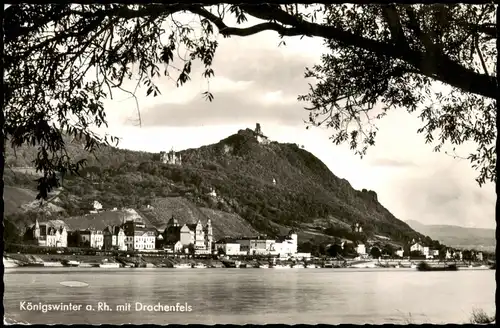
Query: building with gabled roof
114	238
51	233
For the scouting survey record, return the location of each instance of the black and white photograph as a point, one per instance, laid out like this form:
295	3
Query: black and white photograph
253	163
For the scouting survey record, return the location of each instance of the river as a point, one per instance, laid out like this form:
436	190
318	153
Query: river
255	296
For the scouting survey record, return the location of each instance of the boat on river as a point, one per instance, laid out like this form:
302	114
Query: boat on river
199	266
71	263
34	264
231	264
9	263
182	265
109	265
364	265
423	266
282	266
52	264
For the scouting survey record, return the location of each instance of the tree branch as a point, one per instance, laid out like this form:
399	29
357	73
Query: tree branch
227	31
444	70
391	15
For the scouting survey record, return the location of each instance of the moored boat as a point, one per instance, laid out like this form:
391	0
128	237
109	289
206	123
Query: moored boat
264	266
34	264
182	265
423	266
199	266
109	265
86	265
282	266
230	264
364	265
9	263
311	266
71	263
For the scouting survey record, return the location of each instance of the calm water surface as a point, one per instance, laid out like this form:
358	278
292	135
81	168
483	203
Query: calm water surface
258	296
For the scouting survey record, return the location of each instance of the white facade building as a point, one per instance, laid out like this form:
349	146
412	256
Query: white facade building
52	233
178	247
114	238
417	247
138	237
283	246
92	238
426	251
361	249
229	248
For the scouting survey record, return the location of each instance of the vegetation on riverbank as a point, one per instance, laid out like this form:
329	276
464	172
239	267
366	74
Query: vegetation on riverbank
479	316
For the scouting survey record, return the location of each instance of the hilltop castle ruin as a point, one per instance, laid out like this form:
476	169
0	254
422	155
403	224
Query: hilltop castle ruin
261	138
171	157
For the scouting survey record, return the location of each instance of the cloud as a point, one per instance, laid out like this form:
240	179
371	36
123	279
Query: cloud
273	69
392	163
447	194
226	108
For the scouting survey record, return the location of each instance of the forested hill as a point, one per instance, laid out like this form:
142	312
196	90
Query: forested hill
273	186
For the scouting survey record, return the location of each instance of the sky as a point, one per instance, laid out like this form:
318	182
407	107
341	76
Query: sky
257	81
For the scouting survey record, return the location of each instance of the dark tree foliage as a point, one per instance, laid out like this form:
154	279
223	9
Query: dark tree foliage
62	60
375	252
334	250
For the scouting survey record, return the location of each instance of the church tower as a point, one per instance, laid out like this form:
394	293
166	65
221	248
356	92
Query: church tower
172	222
36	230
209	235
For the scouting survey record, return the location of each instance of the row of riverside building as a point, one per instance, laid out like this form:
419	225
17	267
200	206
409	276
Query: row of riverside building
131	235
134	235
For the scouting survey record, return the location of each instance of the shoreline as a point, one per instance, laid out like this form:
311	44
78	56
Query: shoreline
117	262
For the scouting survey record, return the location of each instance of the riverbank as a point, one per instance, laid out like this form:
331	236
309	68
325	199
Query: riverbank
145	261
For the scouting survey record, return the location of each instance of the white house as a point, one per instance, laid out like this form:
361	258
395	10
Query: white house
94	238
212	193
417	247
52	233
257	246
178	247
426	251
400	252
285	246
228	247
198	235
361	249
114	238
282	246
97	207
138	237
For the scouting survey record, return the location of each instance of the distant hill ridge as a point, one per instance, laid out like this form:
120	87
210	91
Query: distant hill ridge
261	186
456	236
